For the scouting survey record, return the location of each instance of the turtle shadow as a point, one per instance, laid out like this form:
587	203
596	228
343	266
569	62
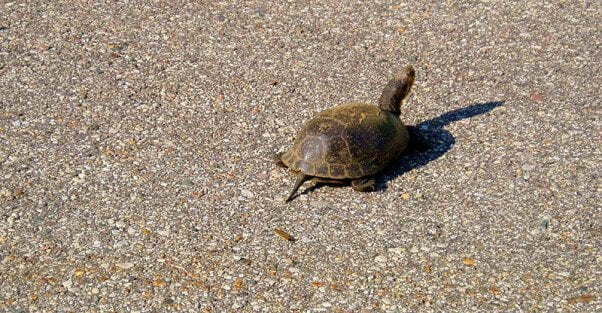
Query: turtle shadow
428	141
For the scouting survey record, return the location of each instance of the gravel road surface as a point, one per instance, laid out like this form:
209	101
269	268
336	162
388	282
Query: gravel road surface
136	168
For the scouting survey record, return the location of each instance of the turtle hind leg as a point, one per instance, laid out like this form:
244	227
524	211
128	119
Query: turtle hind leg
277	158
301	178
363	184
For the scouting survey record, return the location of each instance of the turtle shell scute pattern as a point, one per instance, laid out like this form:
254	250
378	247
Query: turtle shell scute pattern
348	141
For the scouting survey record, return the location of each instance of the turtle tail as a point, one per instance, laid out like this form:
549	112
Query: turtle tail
397	89
301	178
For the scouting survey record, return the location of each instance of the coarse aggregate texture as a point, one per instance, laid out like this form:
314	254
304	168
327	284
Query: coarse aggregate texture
136	143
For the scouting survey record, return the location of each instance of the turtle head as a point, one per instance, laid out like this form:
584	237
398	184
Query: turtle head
397	89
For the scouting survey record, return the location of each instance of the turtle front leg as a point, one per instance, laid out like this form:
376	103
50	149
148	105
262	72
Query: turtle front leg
363	184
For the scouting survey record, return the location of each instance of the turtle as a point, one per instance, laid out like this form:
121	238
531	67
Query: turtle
353	141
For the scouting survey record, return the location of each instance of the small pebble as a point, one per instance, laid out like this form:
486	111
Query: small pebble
380	259
320	204
397	250
68	284
246	193
125	266
5	193
528	167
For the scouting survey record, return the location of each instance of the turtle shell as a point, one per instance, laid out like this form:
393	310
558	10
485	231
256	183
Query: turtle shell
348	141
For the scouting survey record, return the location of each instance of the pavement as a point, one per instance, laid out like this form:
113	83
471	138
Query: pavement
137	142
